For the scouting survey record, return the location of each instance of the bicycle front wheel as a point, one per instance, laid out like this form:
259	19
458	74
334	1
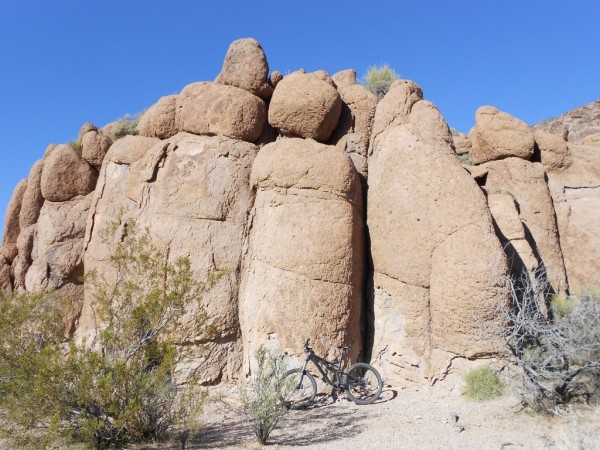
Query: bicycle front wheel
363	383
299	389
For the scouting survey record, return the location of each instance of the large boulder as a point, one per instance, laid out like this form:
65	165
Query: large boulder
576	195
245	66
554	152
211	108
304	267
526	183
11	222
66	175
193	195
159	120
344	78
437	274
94	145
499	135
32	198
306	105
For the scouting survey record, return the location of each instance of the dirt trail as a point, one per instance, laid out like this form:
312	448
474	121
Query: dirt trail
408	419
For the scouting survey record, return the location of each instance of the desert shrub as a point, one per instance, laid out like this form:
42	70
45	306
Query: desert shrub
263	399
126	125
454	132
76	146
120	386
378	79
556	356
482	383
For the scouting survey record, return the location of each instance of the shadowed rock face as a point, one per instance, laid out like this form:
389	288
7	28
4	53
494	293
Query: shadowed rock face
282	208
435	255
303	270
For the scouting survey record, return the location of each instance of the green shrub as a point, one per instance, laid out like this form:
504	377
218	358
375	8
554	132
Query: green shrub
126	125
120	386
455	132
75	146
378	79
263	399
482	383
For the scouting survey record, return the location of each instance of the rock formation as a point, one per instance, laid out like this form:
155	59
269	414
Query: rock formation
333	215
436	258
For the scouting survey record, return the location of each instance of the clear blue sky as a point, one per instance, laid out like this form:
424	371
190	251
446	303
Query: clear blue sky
63	63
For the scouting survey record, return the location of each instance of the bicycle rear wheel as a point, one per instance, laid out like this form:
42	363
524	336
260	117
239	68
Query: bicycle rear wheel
300	389
364	384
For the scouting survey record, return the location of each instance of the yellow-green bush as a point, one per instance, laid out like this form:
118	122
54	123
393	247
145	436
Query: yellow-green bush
482	383
378	79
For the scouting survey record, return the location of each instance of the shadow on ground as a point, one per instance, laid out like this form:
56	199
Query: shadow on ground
329	419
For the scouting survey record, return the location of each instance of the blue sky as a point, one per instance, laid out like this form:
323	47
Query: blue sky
63	63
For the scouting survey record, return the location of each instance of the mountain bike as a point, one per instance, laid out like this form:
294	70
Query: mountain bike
361	382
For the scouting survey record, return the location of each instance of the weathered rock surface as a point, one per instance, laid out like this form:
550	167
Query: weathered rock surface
32	197
305	105
11	222
94	145
159	120
344	78
576	124
526	182
462	144
246	67
591	139
85	128
210	108
499	135
66	175
576	194
511	232
554	152
423	316
354	127
194	194
57	248
304	267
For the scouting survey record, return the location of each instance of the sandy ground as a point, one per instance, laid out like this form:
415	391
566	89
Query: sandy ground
401	419
407	419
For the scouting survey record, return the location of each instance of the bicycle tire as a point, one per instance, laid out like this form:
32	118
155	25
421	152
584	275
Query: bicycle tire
302	393
363	383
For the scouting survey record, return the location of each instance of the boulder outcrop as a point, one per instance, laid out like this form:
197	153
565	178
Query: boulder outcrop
526	183
193	197
428	307
303	270
246	67
353	131
94	145
11	222
499	135
576	196
66	175
306	105
554	152
211	108
32	197
281	183
159	120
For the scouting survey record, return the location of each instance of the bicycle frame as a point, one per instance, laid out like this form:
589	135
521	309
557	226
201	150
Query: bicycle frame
329	367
